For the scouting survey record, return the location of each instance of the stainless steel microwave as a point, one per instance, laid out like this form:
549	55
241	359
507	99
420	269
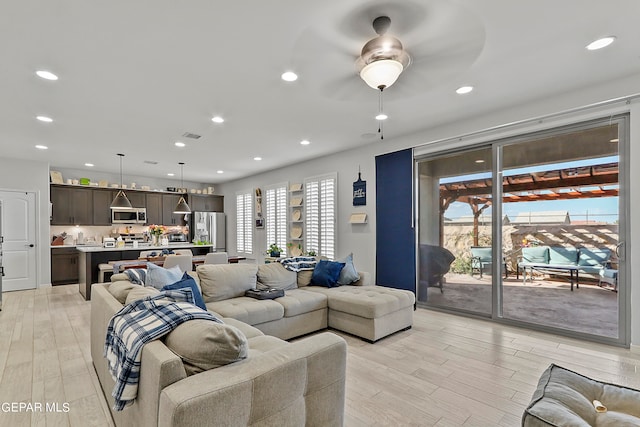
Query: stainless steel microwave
129	216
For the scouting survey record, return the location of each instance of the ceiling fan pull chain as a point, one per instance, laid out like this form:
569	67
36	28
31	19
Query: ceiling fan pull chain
380	112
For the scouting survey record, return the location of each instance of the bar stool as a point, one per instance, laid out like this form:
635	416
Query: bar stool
102	269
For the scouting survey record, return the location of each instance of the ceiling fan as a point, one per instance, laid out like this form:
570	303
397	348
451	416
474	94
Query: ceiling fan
444	38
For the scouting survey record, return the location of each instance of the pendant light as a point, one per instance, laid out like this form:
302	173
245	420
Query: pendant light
182	207
121	201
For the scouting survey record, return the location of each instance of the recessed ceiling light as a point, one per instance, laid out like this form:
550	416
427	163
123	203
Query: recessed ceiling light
42	147
44	119
479	161
600	43
220	171
89	165
464	89
382	116
289	76
171	174
305	142
47	75
217	119
179	144
257	159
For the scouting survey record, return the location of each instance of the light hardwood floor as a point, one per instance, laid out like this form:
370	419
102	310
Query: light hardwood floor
445	371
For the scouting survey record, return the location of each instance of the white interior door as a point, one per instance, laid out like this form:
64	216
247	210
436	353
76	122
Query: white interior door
19	232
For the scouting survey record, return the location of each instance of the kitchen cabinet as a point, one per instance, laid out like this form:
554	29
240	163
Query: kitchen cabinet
137	198
169	202
206	203
102	206
71	206
154	208
64	266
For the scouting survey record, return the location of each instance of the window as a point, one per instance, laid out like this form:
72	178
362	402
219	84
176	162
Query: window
320	214
276	216
244	222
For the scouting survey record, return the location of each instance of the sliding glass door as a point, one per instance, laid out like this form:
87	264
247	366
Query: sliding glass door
546	246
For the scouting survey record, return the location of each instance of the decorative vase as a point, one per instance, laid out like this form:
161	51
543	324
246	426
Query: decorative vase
275	254
154	240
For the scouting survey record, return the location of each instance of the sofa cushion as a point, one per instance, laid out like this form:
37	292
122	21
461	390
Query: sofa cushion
300	301
369	302
593	257
566	398
203	344
304	278
264	344
563	256
348	274
326	273
248	330
536	255
158	277
139	292
117	277
188	282
224	281
120	289
274	275
248	310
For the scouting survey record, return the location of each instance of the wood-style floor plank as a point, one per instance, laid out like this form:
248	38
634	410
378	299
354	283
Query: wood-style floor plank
446	371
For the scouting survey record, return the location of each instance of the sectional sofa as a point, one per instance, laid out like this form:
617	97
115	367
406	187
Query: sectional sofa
279	383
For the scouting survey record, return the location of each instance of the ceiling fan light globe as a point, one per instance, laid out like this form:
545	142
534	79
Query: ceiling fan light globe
381	74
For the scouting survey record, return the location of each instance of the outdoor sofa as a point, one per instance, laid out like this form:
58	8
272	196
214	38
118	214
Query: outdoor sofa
560	259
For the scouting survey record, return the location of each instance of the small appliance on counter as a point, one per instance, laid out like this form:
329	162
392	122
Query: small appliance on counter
108	242
177	237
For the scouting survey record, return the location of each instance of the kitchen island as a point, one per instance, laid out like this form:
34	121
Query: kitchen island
91	256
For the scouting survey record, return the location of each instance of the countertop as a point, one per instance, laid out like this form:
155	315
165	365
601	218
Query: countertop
84	248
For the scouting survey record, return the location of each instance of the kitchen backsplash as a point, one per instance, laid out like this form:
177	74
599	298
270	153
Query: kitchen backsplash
96	233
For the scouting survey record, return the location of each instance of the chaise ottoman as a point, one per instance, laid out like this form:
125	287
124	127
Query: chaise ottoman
370	312
566	398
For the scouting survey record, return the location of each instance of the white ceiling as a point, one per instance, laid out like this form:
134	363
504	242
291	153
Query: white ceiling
136	75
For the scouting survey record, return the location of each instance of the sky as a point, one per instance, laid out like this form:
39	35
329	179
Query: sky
603	209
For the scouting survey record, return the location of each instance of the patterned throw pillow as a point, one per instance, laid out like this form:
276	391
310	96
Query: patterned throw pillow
136	275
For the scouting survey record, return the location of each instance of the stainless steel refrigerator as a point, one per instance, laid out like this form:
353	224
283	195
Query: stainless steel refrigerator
210	227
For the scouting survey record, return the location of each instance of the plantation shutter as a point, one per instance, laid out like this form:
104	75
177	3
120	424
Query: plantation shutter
276	216
244	222
320	215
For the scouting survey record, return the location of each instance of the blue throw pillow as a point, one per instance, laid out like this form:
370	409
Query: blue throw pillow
349	274
326	273
158	276
188	282
136	275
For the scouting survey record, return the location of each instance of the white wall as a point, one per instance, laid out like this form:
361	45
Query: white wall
361	239
25	175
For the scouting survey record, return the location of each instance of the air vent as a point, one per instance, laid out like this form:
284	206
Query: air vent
191	135
151	162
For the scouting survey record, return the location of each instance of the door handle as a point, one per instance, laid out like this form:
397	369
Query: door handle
620	251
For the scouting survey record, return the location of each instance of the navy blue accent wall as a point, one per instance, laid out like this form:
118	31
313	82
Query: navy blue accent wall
395	236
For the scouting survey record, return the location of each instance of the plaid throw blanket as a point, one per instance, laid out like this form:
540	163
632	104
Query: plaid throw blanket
299	263
135	325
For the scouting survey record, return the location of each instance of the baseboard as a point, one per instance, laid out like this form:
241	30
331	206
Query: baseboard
635	348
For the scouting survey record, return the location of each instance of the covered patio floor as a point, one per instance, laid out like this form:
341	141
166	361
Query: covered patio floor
589	309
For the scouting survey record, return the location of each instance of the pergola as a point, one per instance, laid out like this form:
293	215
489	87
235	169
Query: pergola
561	184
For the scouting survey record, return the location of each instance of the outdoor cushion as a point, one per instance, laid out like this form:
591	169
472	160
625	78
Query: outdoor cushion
482	254
566	398
594	257
536	255
563	256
